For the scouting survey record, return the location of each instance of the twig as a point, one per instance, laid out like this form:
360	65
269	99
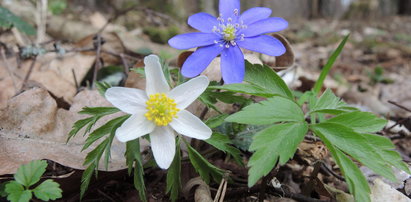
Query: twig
308	188
26	78
400	106
328	170
97	65
75	79
265	181
8	68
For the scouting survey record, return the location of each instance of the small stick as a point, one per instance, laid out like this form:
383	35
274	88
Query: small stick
400	106
75	79
308	188
97	65
7	64
26	78
328	170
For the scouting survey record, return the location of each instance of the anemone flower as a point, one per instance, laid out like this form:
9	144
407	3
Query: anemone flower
225	35
159	111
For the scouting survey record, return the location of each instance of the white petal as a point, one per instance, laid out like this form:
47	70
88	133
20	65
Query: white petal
134	127
163	144
155	80
191	126
129	100
189	91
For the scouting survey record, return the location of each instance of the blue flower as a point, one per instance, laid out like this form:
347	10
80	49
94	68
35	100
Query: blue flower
225	35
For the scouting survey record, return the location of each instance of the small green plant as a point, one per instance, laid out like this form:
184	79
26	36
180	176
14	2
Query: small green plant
378	76
57	7
8	19
21	188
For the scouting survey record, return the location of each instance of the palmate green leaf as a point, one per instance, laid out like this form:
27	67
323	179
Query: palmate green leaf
356	181
264	77
95	155
277	143
102	87
48	190
360	122
355	145
222	142
17	193
216	121
7	18
245	88
174	175
330	104
202	166
328	66
133	158
230	98
272	110
30	173
209	101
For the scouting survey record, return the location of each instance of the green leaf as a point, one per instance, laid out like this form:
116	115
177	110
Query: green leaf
102	87
272	110
216	121
139	180
355	145
357	183
327	67
17	193
57	6
360	122
266	78
85	179
277	143
7	17
133	157
202	166
132	153
30	173
96	113
3	192
329	103
244	88
95	155
222	142
174	175
48	190
109	127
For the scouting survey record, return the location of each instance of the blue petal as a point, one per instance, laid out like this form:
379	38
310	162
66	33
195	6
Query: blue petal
255	14
203	22
227	7
263	44
268	25
192	40
232	65
199	60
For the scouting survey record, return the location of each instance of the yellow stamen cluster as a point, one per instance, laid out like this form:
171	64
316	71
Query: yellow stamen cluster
161	109
229	32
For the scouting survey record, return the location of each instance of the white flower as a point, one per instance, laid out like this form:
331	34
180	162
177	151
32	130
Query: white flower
159	110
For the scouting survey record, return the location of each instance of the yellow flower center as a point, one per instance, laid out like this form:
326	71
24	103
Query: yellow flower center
161	109
229	32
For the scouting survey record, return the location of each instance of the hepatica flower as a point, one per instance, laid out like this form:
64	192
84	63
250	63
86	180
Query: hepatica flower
225	35
159	111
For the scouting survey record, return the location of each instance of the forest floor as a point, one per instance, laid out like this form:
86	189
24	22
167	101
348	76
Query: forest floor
373	73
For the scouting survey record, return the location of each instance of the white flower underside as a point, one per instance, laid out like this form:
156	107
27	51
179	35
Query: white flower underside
133	101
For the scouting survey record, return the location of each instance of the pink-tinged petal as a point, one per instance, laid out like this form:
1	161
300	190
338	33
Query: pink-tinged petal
189	125
134	127
227	8
129	100
199	60
263	44
155	80
255	14
189	91
232	65
267	25
163	144
192	40
203	22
